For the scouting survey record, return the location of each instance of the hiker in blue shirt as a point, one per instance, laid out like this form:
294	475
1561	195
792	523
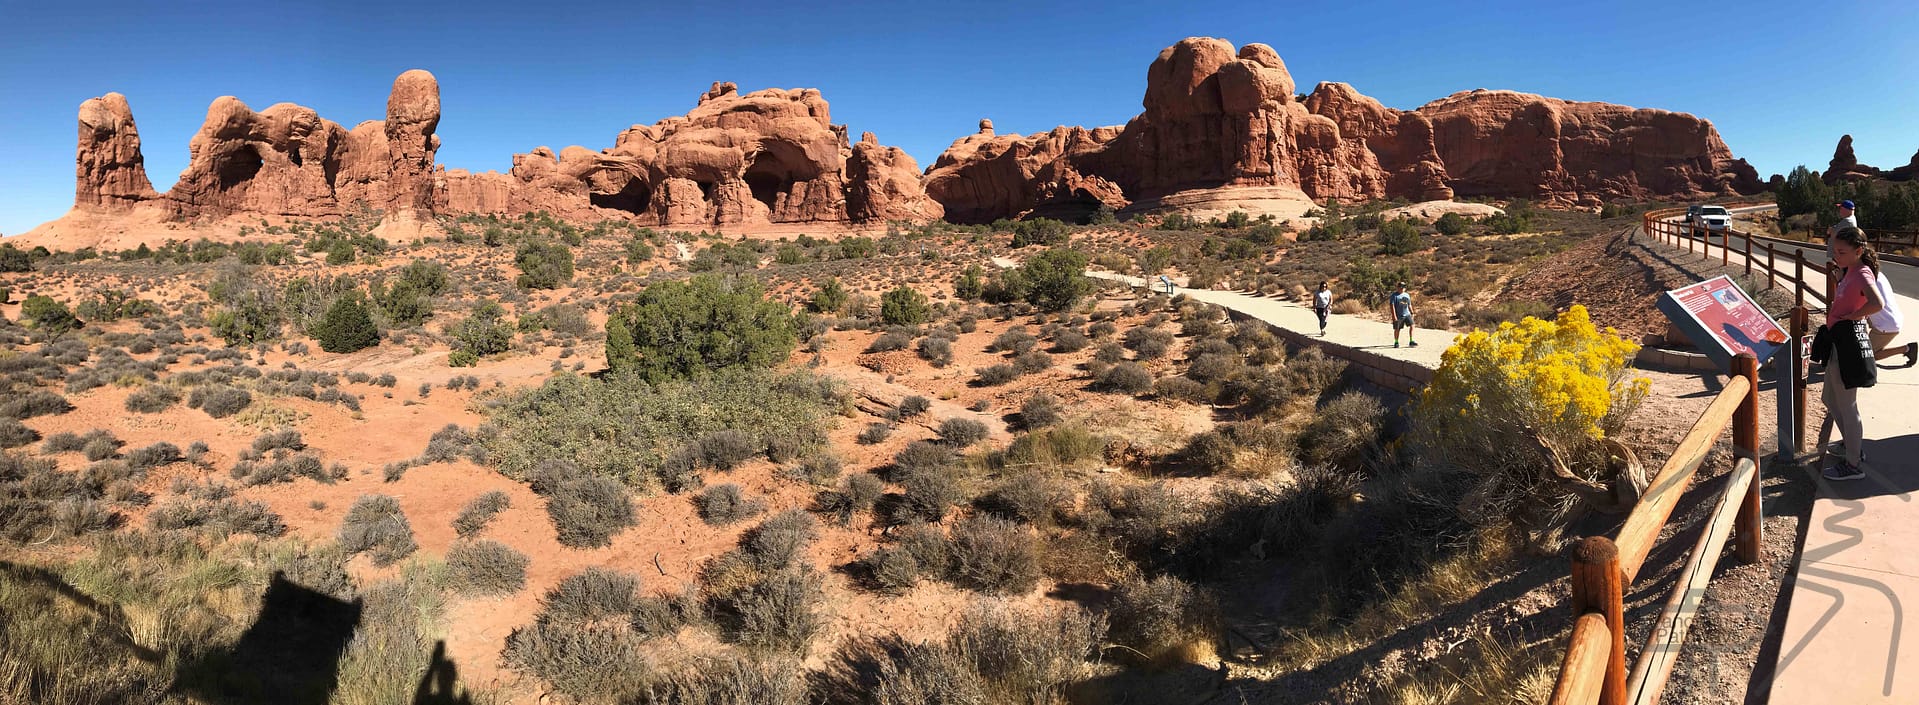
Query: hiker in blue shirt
1402	303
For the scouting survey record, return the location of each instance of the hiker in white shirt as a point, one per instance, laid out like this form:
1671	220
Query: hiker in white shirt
1323	305
1885	327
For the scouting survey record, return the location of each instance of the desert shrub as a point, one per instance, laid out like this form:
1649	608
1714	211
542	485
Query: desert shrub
1109	353
1509	311
1508	399
588	511
1053	280
1126	378
484	332
582	643
574	419
220	516
913	406
285	438
1342	431
995	555
928	494
543	265
1052	447
375	524
101	448
1211	452
152	399
1032	361
47	315
830	297
386	380
921	455
1400	237
1150	343
1032	497
1070	341
1040	410
724	504
891	340
856	493
219	401
452	443
1213	366
14	434
732	679
478	513
63	442
961	432
698	327
1452	224
39	402
1015	341
892	571
1162	620
485	568
726	448
938	351
777	612
875	433
153	456
347	326
779	540
995	375
1183	389
904	306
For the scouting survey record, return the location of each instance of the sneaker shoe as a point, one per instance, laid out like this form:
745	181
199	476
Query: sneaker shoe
1842	470
1411	344
1395	343
1912	353
1837	449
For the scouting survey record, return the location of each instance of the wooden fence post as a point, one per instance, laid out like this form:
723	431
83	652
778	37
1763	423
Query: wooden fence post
1772	267
1599	587
1801	324
1725	246
1745	443
1799	276
1748	239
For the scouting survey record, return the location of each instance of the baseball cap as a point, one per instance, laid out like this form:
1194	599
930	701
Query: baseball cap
1846	204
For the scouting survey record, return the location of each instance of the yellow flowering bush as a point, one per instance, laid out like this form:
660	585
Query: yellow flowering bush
1501	398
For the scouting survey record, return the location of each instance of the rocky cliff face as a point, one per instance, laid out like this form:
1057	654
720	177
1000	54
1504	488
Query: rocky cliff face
1845	166
1219	119
771	156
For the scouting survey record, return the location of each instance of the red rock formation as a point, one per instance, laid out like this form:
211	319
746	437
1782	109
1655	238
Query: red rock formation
1216	119
109	172
772	156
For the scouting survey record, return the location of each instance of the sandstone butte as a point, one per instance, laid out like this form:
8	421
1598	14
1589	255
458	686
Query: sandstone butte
772	156
1224	126
1221	129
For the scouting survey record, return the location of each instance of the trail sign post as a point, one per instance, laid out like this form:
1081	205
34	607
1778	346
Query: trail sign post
1723	322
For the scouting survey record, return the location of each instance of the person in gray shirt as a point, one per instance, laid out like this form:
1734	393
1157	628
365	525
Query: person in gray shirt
1402	305
1846	220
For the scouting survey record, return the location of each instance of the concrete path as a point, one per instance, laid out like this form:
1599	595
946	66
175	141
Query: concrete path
1852	618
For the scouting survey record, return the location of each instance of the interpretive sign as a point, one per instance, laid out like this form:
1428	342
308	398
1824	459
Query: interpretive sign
1723	321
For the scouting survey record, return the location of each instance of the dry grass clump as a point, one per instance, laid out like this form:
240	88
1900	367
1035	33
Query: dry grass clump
762	595
720	505
152	399
994	555
376	525
857	493
485	568
995	654
1163	620
478	513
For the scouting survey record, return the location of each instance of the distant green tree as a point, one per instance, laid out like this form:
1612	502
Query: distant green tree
483	333
48	315
970	283
1054	280
704	325
347	325
1038	231
13	259
1452	224
620	353
543	265
830	297
1400	237
904	306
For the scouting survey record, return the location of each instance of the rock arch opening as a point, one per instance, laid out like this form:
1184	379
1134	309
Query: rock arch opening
774	169
633	195
239	167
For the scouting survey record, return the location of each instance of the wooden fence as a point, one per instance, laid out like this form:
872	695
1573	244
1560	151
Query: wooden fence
1595	669
1781	265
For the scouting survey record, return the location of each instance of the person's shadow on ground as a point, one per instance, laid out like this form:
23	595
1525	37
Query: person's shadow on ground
290	656
438	684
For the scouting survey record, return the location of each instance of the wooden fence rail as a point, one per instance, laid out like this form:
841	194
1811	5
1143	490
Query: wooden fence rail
1603	569
1779	267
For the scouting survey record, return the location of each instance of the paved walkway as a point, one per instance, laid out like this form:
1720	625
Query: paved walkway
1373	336
1852	619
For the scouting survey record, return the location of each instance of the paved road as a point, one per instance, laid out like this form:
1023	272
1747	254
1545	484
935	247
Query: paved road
1904	278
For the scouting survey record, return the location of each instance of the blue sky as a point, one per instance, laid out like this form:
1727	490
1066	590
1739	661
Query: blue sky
1781	80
